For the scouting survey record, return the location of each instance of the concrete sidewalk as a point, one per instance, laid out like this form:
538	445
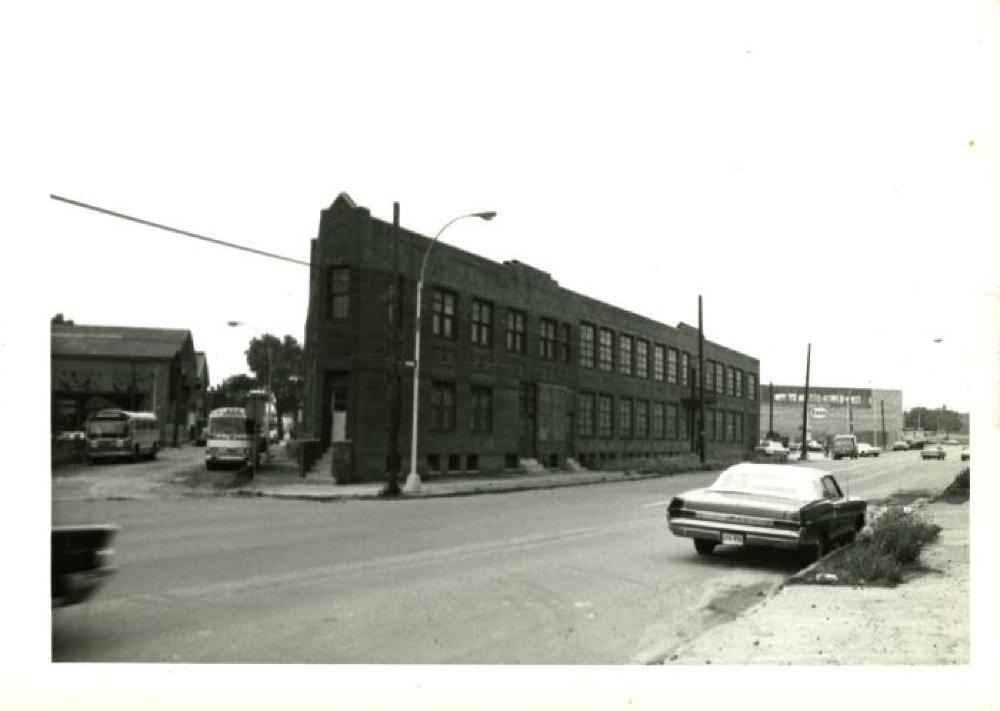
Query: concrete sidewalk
924	620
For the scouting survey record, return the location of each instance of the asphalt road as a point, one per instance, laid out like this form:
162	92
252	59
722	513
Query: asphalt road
576	575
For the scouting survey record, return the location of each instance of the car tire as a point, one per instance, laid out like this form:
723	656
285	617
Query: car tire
704	547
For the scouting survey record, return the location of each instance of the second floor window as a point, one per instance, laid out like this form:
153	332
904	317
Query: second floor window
730	380
443	406
516	330
443	313
658	352
562	345
642	359
751	386
482	409
719	378
586	345
604	425
685	369
672	366
481	331
625	355
339	286
739	383
605	354
547	339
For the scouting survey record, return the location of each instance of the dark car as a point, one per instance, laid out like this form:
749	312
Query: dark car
932	451
81	561
771	505
965	454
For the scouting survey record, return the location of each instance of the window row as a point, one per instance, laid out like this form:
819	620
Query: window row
443	408
723	426
832	398
598	415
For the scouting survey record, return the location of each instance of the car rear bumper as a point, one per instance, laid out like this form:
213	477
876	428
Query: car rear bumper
752	535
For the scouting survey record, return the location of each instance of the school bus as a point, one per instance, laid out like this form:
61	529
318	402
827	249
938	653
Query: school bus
120	434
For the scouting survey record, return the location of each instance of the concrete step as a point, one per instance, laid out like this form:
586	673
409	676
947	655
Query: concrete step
531	466
574	466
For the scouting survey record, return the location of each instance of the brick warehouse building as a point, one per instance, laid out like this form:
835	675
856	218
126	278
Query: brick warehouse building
514	368
834	411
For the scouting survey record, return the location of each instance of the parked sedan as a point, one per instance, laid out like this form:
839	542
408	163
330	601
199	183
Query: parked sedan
772	450
797	508
900	445
868	450
932	451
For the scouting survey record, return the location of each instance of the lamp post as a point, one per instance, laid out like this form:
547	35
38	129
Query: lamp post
270	370
413	478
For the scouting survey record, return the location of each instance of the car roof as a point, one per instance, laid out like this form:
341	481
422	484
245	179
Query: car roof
808	473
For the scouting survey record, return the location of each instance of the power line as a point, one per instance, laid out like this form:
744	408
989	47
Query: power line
158	226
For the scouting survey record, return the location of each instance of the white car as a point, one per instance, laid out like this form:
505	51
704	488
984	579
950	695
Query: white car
772	450
867	450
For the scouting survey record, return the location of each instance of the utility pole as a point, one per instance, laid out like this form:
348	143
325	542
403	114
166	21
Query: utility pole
693	414
770	410
805	409
881	404
701	385
395	354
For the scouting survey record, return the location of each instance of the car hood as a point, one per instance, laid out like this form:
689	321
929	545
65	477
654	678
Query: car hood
744	502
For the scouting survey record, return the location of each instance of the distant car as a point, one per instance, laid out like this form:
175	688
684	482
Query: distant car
71	437
81	561
950	440
932	451
965	454
814	446
772	450
845	446
900	445
868	450
769	505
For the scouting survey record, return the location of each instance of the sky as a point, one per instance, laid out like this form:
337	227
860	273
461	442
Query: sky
821	174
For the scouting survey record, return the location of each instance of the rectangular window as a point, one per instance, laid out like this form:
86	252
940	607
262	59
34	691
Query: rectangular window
685	368
709	376
481	332
585	414
657	421
516	330
642	359
752	386
604	416
682	425
625	418
443	313
442	406
482	409
671	421
562	344
672	366
642	419
720	376
720	426
605	353
339	286
730	427
547	339
730	380
739	427
625	354
658	365
709	426
739	383
587	345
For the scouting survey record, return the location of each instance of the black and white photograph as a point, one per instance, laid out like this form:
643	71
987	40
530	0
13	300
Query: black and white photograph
481	355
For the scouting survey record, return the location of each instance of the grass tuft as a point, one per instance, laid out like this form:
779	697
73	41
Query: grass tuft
958	491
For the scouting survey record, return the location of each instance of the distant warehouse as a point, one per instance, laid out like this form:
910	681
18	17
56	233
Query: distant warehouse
834	411
516	371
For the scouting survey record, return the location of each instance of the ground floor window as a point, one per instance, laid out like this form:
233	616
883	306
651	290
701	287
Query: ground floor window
604	425
585	414
443	406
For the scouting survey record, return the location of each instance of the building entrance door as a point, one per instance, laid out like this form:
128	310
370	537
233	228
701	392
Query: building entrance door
528	417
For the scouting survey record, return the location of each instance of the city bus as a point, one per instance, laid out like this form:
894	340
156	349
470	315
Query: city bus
120	434
228	440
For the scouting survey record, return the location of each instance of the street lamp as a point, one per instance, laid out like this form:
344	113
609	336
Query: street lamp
270	369
413	478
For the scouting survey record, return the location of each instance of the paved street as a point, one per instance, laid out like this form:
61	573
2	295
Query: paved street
583	574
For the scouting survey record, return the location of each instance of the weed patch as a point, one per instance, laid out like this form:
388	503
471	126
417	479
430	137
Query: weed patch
958	491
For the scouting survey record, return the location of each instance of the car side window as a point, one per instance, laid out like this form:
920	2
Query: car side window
830	489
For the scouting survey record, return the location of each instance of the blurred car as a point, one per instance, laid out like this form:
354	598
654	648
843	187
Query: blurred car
769	505
965	454
868	450
71	437
950	440
932	451
814	446
845	445
772	450
900	445
81	561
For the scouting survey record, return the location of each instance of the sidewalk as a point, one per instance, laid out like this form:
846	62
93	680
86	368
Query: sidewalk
924	620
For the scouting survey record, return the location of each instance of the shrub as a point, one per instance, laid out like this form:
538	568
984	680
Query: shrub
901	534
958	490
866	564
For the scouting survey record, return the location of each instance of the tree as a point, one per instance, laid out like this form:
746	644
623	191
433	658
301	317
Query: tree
59	319
934	418
231	392
286	380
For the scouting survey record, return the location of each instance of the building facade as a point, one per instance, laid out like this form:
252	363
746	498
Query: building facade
875	416
140	369
514	368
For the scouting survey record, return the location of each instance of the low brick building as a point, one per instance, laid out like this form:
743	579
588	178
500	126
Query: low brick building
834	411
513	368
140	369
